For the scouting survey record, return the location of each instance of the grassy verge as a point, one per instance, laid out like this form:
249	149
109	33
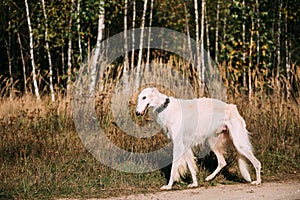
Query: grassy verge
41	155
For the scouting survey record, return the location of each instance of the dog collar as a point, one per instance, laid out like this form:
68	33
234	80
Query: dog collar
163	106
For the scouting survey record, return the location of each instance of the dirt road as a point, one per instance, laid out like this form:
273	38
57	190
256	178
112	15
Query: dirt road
267	191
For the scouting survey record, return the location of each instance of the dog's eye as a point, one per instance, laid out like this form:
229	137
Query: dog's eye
144	98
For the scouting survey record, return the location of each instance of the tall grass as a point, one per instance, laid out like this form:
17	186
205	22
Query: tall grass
41	154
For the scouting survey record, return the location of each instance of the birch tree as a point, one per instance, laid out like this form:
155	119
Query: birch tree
23	62
97	50
133	32
257	33
278	45
125	37
244	46
207	39
34	76
149	32
287	55
79	31
250	62
217	32
202	40
48	53
197	39
69	54
9	58
141	44
186	13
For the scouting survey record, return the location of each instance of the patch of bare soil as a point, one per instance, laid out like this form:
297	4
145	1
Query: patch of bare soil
285	190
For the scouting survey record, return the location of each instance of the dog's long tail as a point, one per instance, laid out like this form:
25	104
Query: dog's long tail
243	166
239	136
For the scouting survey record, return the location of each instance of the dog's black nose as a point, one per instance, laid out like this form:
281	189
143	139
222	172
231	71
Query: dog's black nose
137	113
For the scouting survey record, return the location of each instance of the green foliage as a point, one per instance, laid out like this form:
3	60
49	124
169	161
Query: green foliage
261	23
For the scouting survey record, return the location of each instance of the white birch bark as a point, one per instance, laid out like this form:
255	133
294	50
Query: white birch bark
133	33
79	32
69	54
250	63
97	50
244	47
257	33
149	33
48	53
198	61
202	40
217	32
141	44
125	38
207	39
34	76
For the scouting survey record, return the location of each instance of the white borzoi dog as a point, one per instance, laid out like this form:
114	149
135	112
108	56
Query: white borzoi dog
191	122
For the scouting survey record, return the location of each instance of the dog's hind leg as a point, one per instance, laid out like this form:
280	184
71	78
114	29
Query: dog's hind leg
218	151
221	164
257	165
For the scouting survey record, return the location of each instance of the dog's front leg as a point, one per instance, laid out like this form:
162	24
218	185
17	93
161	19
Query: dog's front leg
174	176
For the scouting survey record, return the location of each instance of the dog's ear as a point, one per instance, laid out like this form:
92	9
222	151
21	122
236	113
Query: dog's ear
155	90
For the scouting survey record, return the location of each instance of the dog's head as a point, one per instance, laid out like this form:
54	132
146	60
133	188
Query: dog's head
147	98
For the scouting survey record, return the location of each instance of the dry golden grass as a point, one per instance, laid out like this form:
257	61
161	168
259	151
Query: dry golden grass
41	154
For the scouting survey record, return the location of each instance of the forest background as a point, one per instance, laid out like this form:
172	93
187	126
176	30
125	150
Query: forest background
255	45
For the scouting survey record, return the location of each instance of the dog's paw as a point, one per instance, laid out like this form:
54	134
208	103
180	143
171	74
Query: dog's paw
193	185
257	182
166	187
209	178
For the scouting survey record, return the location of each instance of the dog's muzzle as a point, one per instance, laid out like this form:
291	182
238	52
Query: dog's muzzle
143	112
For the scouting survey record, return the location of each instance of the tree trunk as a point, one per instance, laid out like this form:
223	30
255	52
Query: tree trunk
89	44
133	33
278	46
63	69
79	32
23	63
287	56
207	39
34	76
149	32
11	80
126	67
188	31
198	59
257	33
48	53
8	48
217	32
244	48
96	54
141	44
69	54
250	63
202	40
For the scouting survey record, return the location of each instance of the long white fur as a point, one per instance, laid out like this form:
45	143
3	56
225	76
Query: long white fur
192	122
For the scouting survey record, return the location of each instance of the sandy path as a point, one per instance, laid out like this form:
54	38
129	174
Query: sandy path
267	191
